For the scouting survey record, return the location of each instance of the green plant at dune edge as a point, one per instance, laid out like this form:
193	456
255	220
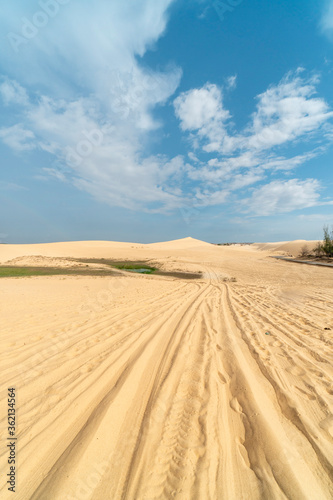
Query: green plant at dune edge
318	250
322	249
327	245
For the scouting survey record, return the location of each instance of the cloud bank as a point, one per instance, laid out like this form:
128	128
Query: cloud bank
79	92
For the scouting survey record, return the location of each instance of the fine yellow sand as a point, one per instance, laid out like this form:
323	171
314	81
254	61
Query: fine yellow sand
147	387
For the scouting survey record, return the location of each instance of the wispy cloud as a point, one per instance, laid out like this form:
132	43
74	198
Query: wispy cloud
13	93
283	196
324	218
18	138
11	186
286	112
327	17
101	134
231	82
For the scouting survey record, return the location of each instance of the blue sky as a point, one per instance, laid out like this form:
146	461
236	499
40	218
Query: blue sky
147	121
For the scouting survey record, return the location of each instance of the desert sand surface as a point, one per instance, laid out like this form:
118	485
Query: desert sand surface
147	387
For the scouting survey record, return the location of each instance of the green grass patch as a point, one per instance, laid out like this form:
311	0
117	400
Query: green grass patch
139	268
135	266
9	272
26	272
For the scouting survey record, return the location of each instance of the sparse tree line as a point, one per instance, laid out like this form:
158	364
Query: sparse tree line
322	249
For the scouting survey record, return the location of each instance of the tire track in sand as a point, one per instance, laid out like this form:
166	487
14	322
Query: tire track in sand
184	403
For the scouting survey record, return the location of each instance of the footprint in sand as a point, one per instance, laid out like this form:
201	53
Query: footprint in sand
87	368
218	347
276	343
222	378
234	404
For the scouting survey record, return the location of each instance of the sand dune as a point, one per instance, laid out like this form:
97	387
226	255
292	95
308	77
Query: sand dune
97	249
147	387
77	249
183	243
292	248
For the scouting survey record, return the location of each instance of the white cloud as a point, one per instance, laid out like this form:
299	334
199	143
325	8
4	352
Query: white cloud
12	93
83	45
284	196
207	197
18	138
193	158
106	160
134	93
226	169
242	180
281	163
201	110
286	112
55	173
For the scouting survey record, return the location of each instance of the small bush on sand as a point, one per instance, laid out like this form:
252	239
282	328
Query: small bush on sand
318	249
304	251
